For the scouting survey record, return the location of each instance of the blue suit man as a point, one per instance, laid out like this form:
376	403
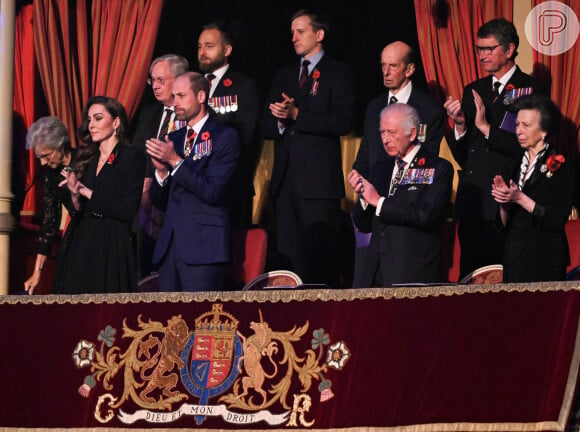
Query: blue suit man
193	170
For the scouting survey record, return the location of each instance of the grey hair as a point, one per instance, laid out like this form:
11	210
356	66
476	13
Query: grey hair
410	115
50	132
177	63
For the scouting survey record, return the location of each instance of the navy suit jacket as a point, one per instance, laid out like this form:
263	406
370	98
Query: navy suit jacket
245	120
538	239
371	148
308	152
481	159
194	199
406	239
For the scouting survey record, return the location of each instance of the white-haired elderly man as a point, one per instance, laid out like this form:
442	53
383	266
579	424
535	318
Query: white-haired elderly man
403	203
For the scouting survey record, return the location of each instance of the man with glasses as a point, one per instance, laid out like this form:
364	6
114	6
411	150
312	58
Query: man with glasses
155	121
485	143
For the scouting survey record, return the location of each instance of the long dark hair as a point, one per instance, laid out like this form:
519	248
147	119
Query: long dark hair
87	147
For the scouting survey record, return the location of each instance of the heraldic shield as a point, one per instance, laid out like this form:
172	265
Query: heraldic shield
211	356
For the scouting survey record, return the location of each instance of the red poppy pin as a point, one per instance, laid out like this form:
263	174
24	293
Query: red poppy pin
112	157
421	162
316	74
554	163
227	82
205	136
509	87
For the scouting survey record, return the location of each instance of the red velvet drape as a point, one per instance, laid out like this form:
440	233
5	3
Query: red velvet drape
24	101
562	71
106	53
446	32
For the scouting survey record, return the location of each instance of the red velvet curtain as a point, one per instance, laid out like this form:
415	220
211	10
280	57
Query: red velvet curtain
122	42
446	31
106	53
24	101
562	71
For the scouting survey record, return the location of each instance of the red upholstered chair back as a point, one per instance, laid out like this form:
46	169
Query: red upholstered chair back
249	249
573	234
274	279
491	274
450	252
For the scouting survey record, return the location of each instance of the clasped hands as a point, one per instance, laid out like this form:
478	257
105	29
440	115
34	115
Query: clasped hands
455	113
162	154
502	193
363	187
284	110
75	187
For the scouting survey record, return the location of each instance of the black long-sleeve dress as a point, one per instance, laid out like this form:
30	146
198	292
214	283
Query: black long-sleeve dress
99	258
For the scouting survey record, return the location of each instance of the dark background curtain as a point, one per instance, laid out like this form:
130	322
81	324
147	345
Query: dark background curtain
358	33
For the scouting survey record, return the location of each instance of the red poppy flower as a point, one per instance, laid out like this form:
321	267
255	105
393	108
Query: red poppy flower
227	82
316	74
509	87
421	162
111	158
554	162
205	136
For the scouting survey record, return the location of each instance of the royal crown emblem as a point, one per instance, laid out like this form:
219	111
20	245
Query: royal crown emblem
168	373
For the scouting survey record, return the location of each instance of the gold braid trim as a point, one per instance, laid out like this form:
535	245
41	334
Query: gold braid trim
287	295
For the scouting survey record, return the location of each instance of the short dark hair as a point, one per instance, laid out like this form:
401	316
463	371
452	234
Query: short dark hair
223	29
318	19
550	115
198	83
503	30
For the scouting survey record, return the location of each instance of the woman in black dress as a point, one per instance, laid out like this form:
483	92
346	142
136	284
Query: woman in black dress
50	141
100	257
535	207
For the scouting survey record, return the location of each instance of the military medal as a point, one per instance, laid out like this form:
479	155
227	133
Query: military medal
222	107
235	103
422	132
228	103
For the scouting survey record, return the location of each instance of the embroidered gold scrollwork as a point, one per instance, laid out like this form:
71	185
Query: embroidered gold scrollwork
102	400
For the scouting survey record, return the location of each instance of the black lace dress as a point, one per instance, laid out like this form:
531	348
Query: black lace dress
53	198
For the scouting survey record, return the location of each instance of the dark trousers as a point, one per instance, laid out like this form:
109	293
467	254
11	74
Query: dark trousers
481	245
309	240
175	275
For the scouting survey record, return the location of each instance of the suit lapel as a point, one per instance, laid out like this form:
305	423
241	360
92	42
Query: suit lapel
537	174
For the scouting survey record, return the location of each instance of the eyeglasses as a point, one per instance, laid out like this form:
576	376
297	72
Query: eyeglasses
160	81
486	49
45	156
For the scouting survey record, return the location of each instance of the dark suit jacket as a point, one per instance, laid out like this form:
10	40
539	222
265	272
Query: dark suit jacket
538	239
147	127
308	152
245	120
371	148
481	159
194	199
406	238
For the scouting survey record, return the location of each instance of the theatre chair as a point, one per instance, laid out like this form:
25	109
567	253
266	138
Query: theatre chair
573	235
249	249
491	274
149	283
277	279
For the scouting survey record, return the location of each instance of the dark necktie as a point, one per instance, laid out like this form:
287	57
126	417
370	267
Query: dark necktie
303	73
165	125
392	100
210	77
495	91
398	176
191	134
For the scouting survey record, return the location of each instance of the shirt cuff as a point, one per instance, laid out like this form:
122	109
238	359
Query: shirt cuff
160	180
177	165
457	135
379	206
